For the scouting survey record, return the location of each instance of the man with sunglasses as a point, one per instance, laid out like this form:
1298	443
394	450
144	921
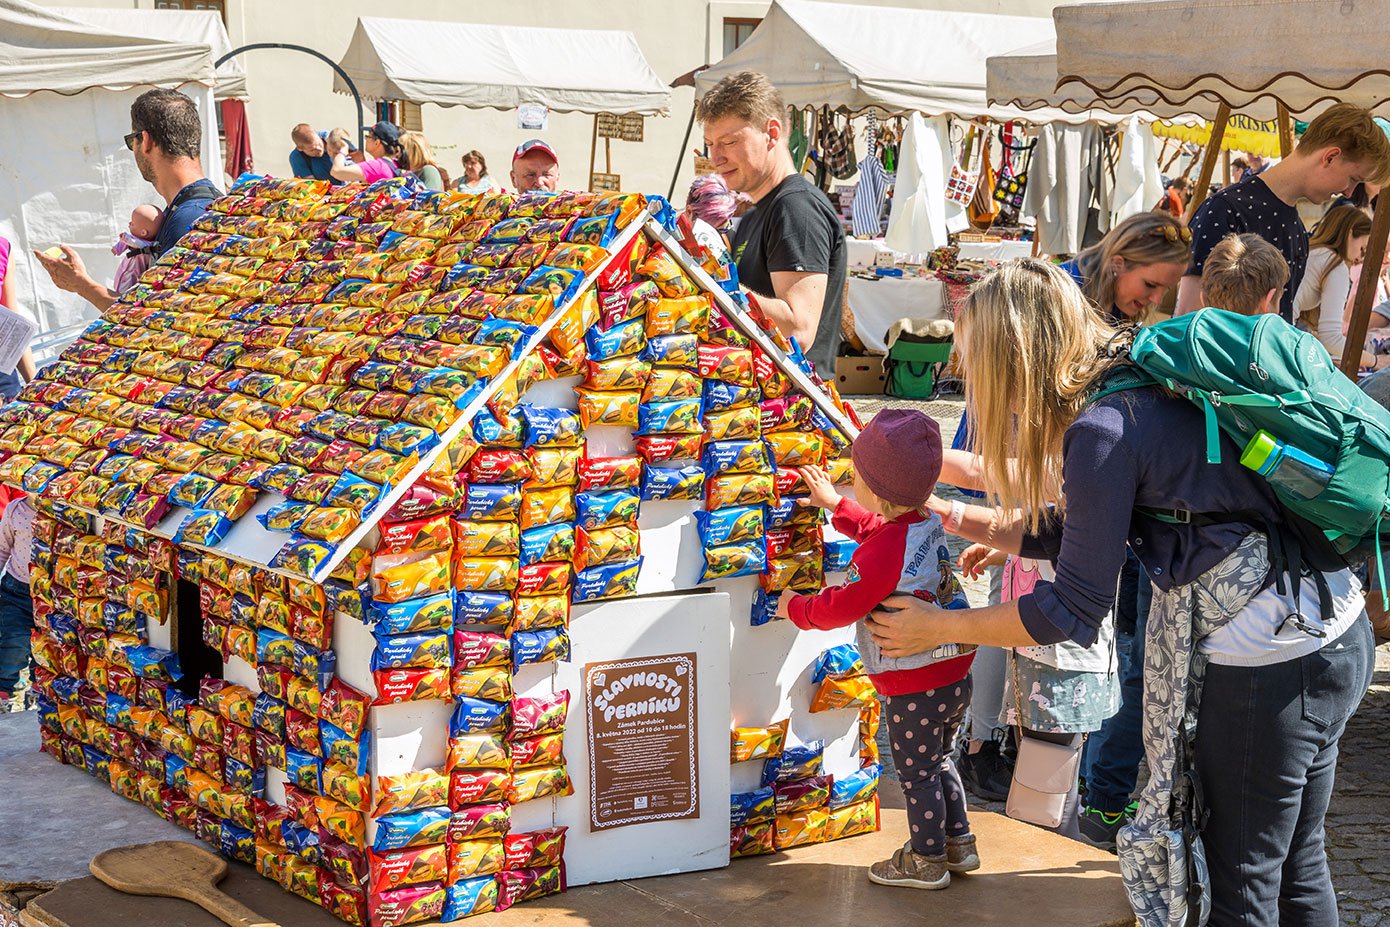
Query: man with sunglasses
166	140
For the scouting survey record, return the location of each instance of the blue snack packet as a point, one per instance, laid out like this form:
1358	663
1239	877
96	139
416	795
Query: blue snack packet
298	839
492	502
856	787
483	608
672	483
838	553
430	613
730	526
488	430
343	750
752	807
415	828
721	457
238	843
594	230
551	644
622	340
547	543
609	581
610	509
467	897
764	607
315	664
670	417
559	282
154	662
551	427
304	770
837	663
719	395
800	762
505	333
425	650
474	715
118	711
681	350
404	438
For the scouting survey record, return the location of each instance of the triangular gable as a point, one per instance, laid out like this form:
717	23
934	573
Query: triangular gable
215	381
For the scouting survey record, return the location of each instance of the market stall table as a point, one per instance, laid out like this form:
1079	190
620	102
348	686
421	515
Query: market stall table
878	303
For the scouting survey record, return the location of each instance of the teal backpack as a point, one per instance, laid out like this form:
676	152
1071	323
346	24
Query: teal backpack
1253	373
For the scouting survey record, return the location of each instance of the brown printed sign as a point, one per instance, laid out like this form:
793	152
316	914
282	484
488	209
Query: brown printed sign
643	740
599	182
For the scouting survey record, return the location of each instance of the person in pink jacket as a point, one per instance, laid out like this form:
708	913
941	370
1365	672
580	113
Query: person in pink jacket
902	549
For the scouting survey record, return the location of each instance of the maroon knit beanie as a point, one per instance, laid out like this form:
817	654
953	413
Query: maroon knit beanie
898	455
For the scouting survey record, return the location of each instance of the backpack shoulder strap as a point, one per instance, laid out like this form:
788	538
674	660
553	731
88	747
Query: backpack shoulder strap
1120	379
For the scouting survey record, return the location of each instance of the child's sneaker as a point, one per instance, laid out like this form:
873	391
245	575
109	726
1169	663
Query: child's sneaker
6	703
961	855
911	870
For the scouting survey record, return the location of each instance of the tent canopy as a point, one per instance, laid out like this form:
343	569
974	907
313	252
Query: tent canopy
893	59
500	67
197	27
1027	79
1306	54
43	50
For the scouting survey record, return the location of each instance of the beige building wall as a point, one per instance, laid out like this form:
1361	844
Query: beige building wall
675	35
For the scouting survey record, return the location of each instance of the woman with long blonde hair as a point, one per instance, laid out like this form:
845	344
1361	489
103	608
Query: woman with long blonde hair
419	160
1079	473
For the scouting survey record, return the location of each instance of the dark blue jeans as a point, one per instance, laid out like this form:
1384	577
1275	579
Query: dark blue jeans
1267	754
1113	753
16	621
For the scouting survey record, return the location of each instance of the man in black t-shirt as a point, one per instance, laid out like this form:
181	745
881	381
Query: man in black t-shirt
1342	147
790	247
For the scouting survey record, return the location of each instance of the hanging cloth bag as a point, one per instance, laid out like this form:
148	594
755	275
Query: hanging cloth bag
1008	192
983	209
960	186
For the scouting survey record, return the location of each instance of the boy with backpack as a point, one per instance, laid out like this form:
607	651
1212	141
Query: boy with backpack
1244	274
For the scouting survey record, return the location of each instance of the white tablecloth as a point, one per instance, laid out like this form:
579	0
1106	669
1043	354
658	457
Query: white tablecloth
877	304
861	252
994	250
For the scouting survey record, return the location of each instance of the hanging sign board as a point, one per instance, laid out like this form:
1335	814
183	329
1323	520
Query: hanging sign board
628	128
643	740
532	117
600	182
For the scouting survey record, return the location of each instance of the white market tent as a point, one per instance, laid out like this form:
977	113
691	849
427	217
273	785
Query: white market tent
197	27
894	59
1297	56
70	85
501	67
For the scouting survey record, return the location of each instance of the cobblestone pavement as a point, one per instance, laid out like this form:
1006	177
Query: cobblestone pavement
1358	821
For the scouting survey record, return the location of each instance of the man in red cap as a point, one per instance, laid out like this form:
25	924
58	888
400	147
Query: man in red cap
535	166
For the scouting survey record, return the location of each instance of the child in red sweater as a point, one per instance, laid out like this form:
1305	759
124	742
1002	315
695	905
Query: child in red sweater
902	548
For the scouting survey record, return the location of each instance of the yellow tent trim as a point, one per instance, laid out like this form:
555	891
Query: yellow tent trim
1242	134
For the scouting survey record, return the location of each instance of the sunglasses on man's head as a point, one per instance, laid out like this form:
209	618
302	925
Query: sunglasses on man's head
131	139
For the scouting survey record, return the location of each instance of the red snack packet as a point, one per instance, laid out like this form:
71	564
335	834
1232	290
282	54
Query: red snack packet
534	850
345	707
410	685
408	867
600	473
479	821
498	465
406	905
475	786
656	448
532	717
419	535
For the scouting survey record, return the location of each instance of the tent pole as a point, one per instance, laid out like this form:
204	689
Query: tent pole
1218	131
357	97
1285	132
1226	168
593	151
680	156
1366	289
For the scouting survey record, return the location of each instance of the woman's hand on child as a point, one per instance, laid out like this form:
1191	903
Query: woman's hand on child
904	625
976	557
823	492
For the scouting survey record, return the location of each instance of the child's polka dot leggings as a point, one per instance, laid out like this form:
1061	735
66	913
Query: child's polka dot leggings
922	729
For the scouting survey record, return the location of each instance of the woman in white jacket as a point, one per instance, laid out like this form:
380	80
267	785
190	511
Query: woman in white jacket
1338	244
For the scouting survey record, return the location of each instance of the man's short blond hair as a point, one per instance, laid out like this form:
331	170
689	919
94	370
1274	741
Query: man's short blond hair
749	95
1240	271
1350	128
302	133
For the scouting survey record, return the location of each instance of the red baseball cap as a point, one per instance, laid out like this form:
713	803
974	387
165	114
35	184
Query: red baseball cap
531	145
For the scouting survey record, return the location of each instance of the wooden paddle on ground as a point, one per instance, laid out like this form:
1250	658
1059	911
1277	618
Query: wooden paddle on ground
170	869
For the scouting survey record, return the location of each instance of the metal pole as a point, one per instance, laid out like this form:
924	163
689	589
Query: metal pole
357	97
680	155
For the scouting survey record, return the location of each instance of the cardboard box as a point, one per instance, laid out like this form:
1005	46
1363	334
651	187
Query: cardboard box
860	375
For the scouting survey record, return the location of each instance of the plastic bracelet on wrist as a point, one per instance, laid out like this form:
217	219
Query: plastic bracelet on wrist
956	516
